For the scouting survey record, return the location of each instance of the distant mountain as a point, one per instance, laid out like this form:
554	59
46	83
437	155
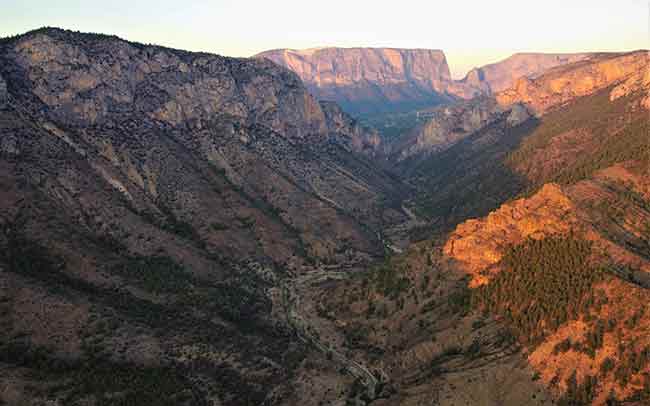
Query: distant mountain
370	80
496	77
541	89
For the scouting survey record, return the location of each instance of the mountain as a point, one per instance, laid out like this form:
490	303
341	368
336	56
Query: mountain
370	80
499	76
445	126
154	204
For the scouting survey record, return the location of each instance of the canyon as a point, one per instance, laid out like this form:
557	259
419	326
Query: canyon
182	228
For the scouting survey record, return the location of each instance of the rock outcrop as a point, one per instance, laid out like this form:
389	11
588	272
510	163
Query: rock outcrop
369	80
480	243
348	131
446	126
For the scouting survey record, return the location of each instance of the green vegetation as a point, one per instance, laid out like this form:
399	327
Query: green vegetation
157	274
392	126
617	135
29	258
579	395
110	383
545	283
630	144
389	278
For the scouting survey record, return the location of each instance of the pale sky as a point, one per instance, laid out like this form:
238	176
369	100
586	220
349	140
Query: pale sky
471	32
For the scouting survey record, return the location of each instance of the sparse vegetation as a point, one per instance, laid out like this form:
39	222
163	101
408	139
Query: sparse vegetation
158	274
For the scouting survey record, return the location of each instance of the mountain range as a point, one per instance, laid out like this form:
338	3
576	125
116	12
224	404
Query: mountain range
368	81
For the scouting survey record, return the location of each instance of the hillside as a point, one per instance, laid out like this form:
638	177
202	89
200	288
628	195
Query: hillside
492	162
154	201
568	266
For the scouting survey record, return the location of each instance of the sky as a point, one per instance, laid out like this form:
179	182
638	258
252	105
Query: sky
472	33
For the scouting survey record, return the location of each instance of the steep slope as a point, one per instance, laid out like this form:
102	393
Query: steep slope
485	167
499	76
370	80
153	203
540	300
568	267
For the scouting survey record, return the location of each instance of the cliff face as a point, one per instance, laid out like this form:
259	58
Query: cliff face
565	83
496	77
369	80
166	193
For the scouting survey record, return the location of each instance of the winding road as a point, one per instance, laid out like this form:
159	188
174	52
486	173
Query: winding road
298	323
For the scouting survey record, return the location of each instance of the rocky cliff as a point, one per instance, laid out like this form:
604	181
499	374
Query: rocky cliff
369	80
496	77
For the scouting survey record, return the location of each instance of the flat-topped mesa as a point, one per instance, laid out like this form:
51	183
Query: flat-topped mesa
368	80
563	84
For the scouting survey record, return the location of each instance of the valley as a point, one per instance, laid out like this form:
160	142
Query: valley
333	226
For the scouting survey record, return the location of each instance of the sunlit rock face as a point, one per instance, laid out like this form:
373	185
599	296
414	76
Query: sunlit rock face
370	80
563	84
496	77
